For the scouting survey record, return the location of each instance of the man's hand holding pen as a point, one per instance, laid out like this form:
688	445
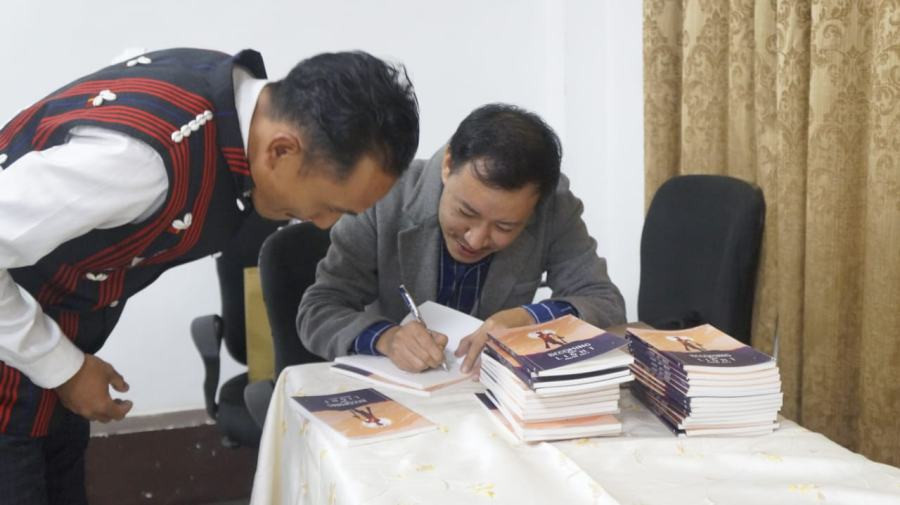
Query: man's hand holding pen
412	347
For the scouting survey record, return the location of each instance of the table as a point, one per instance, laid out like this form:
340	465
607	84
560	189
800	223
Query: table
472	460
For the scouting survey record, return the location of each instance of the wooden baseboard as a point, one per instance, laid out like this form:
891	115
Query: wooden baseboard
169	459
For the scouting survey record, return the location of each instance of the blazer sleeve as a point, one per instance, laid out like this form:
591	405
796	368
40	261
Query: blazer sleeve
332	311
575	273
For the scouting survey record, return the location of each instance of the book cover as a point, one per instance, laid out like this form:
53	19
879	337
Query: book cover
362	416
702	348
560	346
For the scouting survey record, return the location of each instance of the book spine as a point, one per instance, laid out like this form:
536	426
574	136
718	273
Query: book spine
522	374
527	365
672	394
661	367
641	393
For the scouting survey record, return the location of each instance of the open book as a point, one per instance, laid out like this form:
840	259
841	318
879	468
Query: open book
383	373
362	416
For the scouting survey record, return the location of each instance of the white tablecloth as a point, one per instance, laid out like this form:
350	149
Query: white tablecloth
471	460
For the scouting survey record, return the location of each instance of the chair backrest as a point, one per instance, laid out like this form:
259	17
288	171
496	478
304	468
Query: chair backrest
287	266
699	254
241	252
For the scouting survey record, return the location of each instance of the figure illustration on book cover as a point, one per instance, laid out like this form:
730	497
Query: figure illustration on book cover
548	337
368	419
689	343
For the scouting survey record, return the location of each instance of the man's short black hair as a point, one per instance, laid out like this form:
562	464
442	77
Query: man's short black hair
350	104
509	148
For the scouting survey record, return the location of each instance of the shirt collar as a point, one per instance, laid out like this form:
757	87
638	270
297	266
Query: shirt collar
452	261
246	93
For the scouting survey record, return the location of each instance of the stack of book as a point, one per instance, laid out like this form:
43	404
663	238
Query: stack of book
700	381
555	380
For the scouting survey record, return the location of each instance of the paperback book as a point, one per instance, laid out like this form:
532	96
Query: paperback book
563	346
590	426
703	348
362	416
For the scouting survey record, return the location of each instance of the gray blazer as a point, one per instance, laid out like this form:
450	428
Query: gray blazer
398	242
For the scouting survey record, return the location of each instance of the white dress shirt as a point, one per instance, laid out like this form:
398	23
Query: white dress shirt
98	178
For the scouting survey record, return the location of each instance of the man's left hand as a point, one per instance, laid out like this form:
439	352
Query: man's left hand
471	345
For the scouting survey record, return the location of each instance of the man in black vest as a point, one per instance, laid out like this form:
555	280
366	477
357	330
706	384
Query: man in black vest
142	166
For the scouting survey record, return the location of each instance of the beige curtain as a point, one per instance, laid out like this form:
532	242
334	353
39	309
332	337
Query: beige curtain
801	97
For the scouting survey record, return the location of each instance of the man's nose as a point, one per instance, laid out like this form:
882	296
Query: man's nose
478	237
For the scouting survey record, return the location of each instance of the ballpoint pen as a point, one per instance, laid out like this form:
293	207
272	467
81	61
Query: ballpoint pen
414	310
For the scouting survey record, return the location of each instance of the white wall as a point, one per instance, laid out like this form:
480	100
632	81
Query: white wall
604	136
577	64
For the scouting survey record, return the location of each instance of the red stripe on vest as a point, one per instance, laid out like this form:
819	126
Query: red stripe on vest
5	379
68	324
12	378
122	253
138	241
111	289
201	202
64	280
16	124
237	160
45	411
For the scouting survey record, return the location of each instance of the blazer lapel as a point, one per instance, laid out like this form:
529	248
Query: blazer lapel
419	259
503	274
418	241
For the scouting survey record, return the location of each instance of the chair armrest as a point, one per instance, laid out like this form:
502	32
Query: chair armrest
256	398
206	332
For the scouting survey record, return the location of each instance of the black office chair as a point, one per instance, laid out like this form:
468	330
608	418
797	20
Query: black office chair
287	266
208	332
699	254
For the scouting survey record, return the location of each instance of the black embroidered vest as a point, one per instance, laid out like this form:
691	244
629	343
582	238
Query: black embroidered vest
180	102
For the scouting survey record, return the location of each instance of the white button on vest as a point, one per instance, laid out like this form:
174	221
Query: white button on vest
136	260
183	223
240	204
193	125
99	277
114	303
103	95
140	60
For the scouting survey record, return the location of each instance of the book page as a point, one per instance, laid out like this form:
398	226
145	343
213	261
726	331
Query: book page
456	325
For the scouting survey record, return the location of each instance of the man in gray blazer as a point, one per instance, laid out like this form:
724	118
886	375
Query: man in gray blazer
474	228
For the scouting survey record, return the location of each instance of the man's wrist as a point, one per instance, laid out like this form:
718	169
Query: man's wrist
382	343
366	342
548	310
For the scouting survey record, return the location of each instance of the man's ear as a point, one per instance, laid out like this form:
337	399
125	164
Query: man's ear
445	166
283	145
